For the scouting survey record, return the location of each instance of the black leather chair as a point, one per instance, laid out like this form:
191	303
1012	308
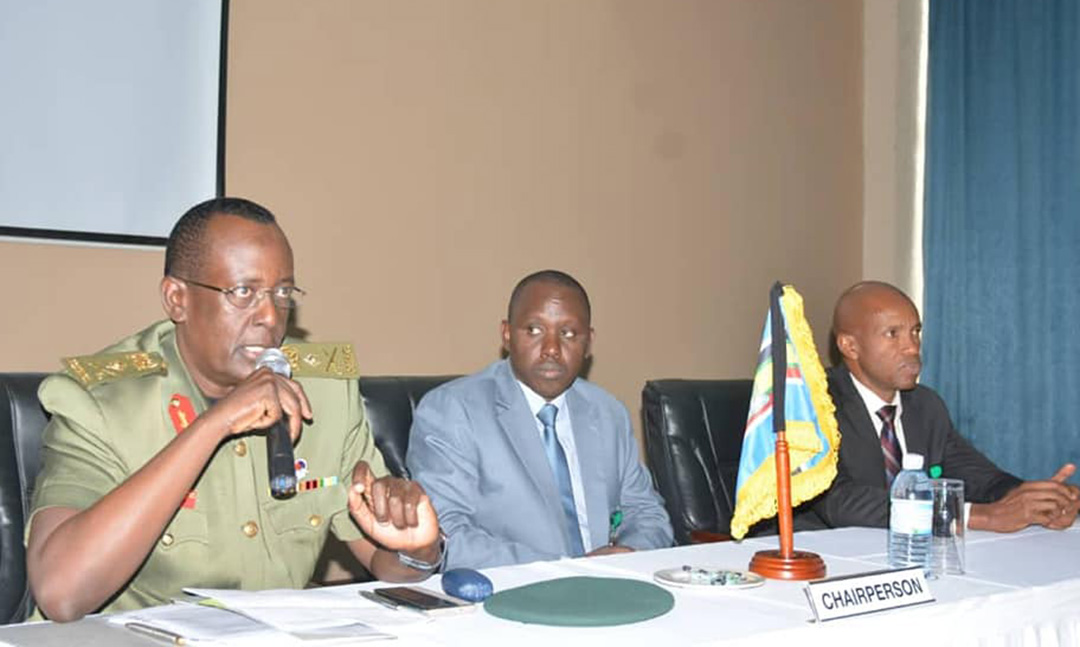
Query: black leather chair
693	440
390	402
21	422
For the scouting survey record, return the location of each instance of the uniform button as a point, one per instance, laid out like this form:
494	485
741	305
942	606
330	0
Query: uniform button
250	528
240	448
315	520
166	539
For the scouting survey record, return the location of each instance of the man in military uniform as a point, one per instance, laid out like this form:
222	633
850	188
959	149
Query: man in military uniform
154	472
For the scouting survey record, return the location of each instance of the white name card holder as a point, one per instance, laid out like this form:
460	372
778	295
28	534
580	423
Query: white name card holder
852	595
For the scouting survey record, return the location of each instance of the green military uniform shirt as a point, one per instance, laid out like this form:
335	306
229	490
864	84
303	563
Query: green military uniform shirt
111	413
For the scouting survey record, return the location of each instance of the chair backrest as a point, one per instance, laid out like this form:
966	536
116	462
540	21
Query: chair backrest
390	402
693	440
21	422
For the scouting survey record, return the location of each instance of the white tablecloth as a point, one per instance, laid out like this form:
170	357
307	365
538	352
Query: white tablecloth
1020	589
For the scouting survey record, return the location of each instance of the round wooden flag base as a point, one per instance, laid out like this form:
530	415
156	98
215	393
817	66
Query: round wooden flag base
802	565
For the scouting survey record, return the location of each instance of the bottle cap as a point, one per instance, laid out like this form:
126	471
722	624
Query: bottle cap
912	461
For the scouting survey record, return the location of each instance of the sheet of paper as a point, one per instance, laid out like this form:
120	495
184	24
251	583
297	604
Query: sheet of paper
206	625
297	611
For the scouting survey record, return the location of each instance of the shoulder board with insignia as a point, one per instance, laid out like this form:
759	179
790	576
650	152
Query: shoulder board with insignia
322	360
92	370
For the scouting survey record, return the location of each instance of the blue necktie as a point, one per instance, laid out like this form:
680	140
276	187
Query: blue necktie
557	460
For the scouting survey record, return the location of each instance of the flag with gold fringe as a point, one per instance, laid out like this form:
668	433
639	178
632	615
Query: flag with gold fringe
809	418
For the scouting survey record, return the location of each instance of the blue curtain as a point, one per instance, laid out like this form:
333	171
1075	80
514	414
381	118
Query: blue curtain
1002	227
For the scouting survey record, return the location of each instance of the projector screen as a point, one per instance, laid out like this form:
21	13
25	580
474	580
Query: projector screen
111	124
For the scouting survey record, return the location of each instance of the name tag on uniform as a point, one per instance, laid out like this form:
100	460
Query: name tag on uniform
852	595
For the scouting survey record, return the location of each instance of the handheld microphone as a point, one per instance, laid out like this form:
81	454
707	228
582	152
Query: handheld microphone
279	449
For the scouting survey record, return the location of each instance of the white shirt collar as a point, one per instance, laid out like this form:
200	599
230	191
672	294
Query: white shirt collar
874	403
537	401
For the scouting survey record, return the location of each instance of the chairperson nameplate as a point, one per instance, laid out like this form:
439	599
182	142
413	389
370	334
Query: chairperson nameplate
852	595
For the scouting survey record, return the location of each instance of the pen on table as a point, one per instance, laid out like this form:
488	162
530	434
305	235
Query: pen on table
156	633
616	521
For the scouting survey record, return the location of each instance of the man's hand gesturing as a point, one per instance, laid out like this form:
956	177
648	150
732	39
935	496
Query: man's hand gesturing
395	513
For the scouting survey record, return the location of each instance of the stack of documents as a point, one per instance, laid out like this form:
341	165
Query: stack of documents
293	611
276	617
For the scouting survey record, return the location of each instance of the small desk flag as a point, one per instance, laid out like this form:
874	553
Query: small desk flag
809	418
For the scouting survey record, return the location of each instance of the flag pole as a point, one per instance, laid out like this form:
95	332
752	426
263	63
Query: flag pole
785	563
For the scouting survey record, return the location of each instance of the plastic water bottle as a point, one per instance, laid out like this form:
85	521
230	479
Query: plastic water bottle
911	514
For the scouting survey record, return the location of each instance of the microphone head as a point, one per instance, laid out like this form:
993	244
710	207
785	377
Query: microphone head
275	360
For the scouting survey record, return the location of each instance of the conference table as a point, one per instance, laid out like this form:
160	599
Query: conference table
1018	589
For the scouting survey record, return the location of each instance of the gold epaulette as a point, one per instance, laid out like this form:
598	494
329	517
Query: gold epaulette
322	360
92	370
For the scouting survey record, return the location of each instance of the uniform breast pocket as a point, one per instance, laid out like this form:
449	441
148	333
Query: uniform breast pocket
300	524
177	558
187	531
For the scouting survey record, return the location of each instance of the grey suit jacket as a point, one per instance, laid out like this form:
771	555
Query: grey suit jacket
475	448
858	496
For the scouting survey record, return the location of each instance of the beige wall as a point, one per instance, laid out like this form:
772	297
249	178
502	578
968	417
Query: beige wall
676	156
894	33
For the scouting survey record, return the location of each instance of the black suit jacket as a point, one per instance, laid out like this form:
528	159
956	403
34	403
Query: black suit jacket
858	496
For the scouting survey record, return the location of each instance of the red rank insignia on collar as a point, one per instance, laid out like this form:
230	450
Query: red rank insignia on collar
181	412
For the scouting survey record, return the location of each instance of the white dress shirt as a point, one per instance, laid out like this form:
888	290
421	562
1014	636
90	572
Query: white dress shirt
564	432
874	403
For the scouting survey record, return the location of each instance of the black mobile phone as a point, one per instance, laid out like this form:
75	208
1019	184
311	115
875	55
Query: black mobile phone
421	600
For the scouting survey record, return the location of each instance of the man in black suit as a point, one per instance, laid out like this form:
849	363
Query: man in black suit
878	330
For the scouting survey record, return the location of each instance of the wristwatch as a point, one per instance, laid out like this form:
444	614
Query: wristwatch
421	565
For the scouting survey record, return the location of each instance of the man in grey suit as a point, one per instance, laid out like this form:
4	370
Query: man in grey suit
883	413
526	461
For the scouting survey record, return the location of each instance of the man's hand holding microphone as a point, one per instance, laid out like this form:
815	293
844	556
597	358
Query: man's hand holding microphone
394	513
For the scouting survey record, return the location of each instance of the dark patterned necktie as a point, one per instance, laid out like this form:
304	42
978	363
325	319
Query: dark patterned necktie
561	471
890	446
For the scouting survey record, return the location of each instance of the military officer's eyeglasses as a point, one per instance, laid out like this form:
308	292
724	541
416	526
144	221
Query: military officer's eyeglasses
244	297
